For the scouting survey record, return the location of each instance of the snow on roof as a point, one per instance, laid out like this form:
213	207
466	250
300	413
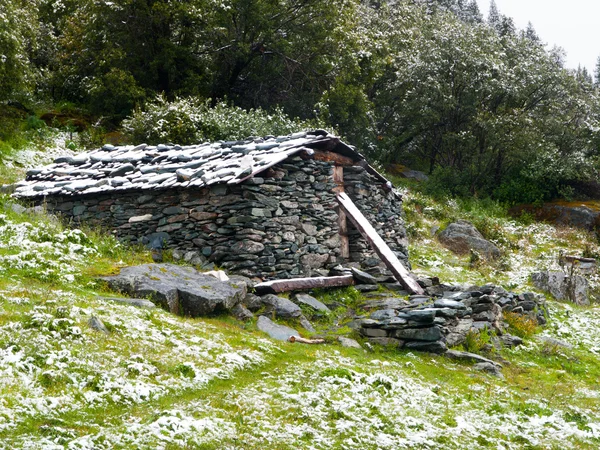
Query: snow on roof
144	167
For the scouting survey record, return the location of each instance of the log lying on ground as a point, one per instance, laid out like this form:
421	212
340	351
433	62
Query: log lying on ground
305	341
302	284
378	244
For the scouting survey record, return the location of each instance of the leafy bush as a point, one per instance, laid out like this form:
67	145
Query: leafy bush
519	325
191	120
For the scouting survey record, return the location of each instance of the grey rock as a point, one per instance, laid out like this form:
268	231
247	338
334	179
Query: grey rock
363	277
447	303
275	331
306	324
384	314
282	307
487	367
432	347
461	237
314	260
395	323
241	313
373	332
510	341
137	302
388	303
387	341
419	334
182	290
563	287
308	300
121	170
366	287
96	324
470	357
553	342
348	343
252	302
419	315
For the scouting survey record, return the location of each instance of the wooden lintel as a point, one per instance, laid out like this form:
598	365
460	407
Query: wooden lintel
339	160
302	284
378	245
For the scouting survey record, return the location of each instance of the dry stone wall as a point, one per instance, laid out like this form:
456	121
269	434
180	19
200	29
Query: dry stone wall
383	209
280	226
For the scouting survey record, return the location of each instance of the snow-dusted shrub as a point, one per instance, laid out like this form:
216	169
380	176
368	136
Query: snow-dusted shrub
192	120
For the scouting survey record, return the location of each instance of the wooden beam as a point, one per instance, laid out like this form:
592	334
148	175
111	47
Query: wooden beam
378	244
339	160
338	178
302	284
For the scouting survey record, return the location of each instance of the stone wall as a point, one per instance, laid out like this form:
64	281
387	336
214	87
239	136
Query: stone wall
280	226
383	209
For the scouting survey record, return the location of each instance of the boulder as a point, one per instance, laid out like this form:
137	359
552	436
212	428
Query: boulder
181	290
282	307
241	313
461	237
490	368
308	300
562	286
275	331
347	342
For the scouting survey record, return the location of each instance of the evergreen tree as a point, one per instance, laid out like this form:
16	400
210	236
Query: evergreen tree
494	17
597	73
471	13
531	34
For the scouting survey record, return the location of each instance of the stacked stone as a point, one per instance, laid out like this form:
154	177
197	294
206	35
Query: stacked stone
444	316
277	227
384	212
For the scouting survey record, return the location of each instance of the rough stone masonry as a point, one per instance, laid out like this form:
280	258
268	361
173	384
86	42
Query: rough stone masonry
262	207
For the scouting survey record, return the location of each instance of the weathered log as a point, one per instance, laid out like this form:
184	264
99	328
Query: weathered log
302	284
378	244
305	341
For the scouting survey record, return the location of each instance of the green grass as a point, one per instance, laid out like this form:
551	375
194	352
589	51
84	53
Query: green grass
157	380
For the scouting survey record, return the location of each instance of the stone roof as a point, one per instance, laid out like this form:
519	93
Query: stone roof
143	167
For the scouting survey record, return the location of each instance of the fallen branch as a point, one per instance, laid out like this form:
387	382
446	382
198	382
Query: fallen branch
305	341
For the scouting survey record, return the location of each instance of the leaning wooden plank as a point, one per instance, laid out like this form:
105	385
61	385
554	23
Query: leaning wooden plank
378	244
302	284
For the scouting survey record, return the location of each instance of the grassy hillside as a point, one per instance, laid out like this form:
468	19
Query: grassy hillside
162	381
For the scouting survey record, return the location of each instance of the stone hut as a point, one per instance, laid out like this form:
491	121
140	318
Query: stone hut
261	207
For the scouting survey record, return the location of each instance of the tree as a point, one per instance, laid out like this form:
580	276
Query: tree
494	18
597	73
18	29
531	34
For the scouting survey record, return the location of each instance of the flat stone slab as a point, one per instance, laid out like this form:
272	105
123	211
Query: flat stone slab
179	289
275	331
282	307
347	342
309	300
471	357
137	302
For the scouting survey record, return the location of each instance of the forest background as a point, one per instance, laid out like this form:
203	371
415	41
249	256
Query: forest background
484	108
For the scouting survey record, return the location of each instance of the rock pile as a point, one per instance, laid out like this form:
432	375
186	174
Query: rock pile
444	316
